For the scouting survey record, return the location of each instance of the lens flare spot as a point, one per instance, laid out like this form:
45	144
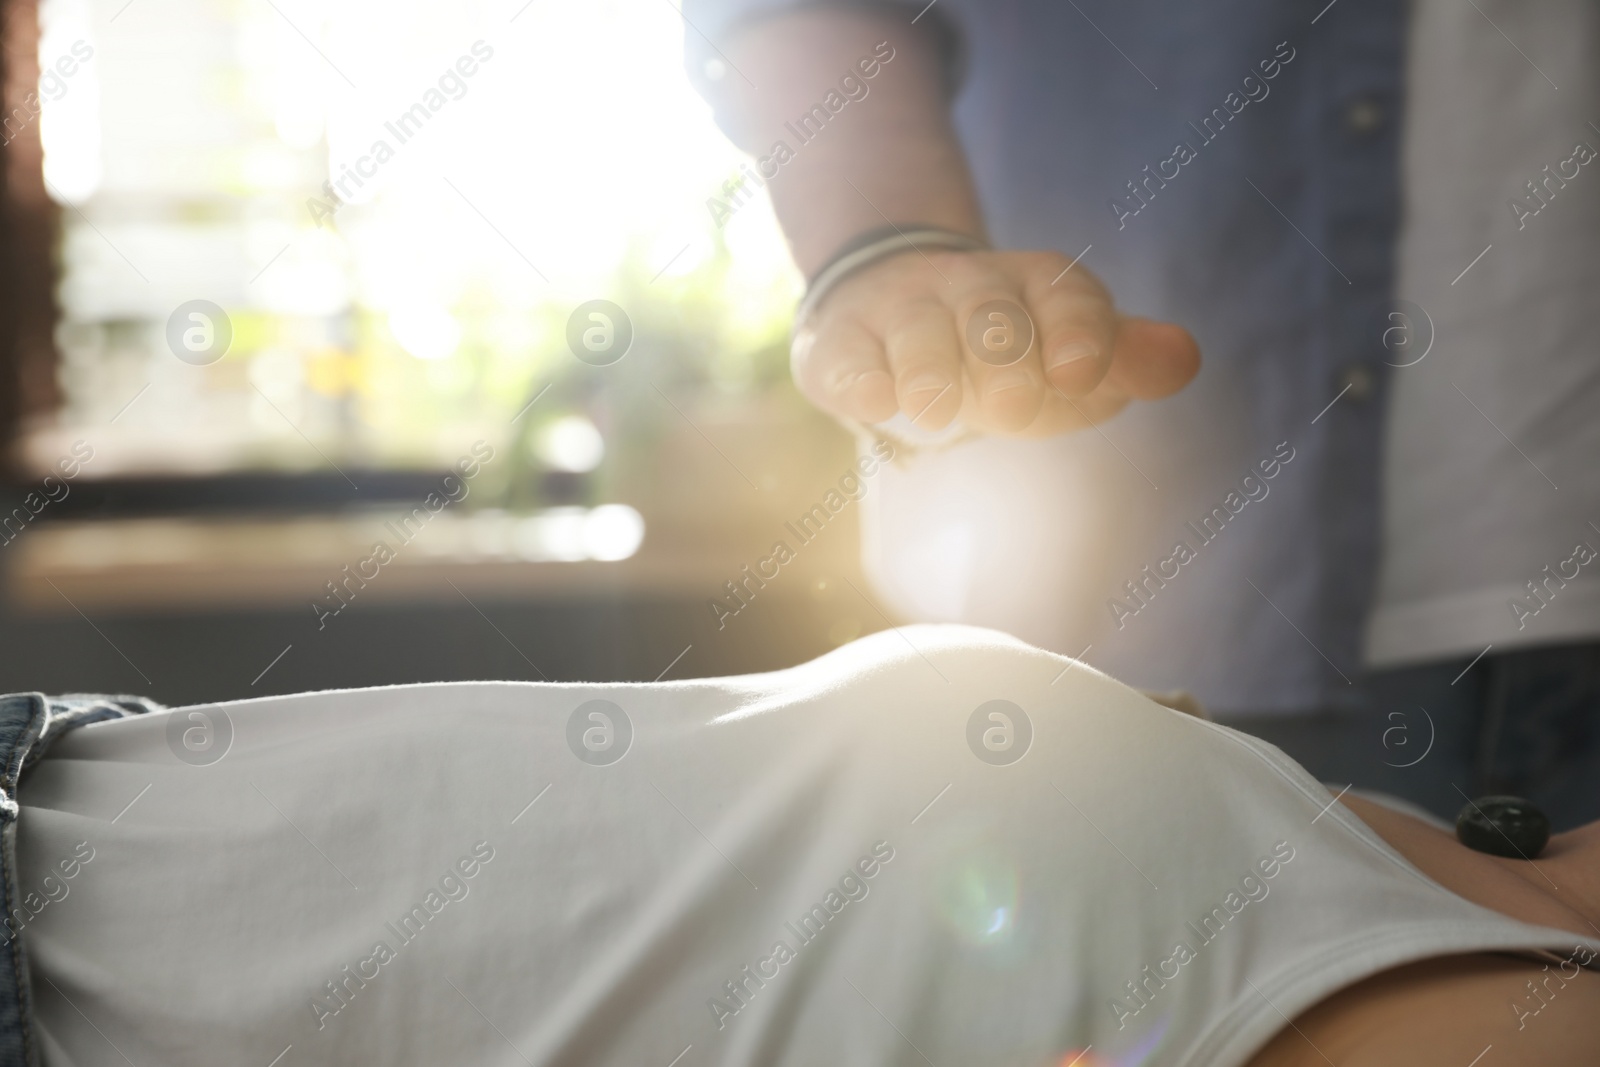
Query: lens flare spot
1082	1057
1142	1051
1138	1055
978	896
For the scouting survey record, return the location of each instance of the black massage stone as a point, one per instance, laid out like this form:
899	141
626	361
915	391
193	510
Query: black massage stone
1503	826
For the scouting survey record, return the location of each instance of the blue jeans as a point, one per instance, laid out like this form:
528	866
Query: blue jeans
1525	722
28	723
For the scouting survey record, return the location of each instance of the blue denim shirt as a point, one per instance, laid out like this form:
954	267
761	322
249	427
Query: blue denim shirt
1230	165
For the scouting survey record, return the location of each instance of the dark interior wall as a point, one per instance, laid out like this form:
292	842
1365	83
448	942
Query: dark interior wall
27	233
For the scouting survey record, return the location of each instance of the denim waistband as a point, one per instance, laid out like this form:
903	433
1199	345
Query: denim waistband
29	722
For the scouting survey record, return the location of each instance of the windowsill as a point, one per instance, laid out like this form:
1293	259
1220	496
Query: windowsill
137	565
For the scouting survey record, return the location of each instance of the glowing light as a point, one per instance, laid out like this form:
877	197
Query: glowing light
613	532
69	105
298	121
571	443
555	535
497	152
307	275
427	332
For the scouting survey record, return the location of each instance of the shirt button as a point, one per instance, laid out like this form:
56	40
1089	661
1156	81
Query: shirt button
1363	116
1356	381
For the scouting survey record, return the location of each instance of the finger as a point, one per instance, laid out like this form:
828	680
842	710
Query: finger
1152	359
925	359
1077	330
1001	357
839	366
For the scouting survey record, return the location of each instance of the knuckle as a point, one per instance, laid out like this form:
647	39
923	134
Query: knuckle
920	318
837	379
1077	281
970	272
800	352
817	359
904	273
1042	264
807	378
1075	310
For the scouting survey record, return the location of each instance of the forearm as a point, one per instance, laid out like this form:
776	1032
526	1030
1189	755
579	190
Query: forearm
888	157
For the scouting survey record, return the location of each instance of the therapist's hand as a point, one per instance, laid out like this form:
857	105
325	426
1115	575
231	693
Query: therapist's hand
892	338
895	338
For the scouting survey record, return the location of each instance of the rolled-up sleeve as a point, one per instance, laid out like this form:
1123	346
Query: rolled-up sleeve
710	24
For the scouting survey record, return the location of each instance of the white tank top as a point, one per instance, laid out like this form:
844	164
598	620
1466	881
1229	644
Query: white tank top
933	844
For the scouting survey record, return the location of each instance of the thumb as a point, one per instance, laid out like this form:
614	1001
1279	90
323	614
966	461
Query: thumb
1152	359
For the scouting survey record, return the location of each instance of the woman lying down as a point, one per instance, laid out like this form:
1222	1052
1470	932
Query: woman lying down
933	846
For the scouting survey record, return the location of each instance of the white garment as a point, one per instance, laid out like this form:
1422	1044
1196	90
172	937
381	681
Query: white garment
1506	405
567	912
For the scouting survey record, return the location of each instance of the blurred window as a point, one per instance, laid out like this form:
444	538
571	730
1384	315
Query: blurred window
488	167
